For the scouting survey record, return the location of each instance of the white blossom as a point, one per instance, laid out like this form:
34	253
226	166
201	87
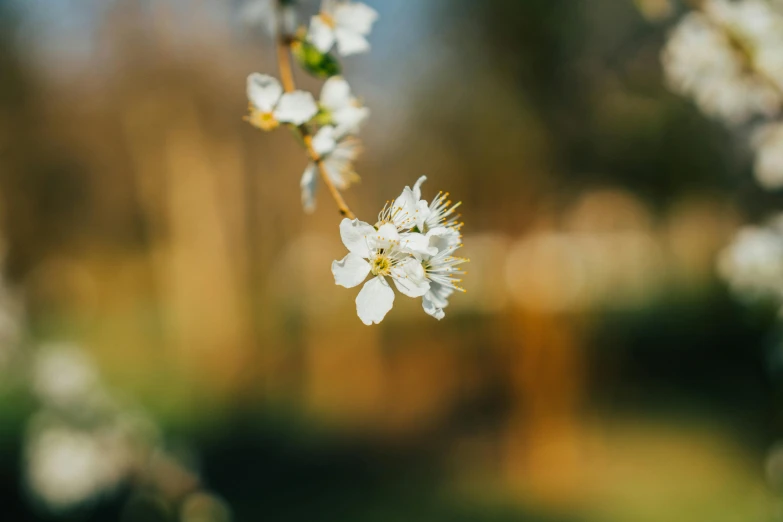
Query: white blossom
768	144
340	108
728	58
440	270
269	106
337	157
269	14
381	254
752	264
63	375
345	22
438	222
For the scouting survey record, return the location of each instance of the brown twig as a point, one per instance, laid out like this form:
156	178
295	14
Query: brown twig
287	79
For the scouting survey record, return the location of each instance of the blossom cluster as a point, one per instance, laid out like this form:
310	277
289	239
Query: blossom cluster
85	442
336	118
413	242
728	57
752	264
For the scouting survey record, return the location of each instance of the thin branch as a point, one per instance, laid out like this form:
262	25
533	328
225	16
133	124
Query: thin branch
287	79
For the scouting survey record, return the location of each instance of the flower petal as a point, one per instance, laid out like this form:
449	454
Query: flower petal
339	163
412	211
336	93
309	184
410	278
355	17
350	271
324	140
443	237
431	308
296	107
350	42
385	237
374	301
417	187
413	242
355	235
263	91
320	34
349	119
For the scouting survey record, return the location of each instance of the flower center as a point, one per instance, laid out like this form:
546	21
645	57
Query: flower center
328	20
264	120
381	265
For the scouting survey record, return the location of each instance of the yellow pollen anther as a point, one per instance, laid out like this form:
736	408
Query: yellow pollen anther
263	120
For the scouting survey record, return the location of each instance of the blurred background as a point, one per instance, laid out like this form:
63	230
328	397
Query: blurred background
160	269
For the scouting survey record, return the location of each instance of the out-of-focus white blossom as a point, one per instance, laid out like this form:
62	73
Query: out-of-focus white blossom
269	106
752	264
438	223
70	463
379	253
729	59
63	376
66	467
269	14
340	108
337	156
768	144
345	22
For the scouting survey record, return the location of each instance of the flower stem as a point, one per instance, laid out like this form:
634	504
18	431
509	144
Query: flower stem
287	79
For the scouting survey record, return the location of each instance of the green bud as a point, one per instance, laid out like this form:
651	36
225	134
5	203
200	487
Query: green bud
314	61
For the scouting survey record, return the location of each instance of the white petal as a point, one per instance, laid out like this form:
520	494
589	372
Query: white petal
414	242
355	235
442	238
336	93
350	271
356	17
410	278
339	163
296	107
349	120
263	91
349	42
411	211
309	184
374	301
417	187
431	308
324	140
385	237
320	34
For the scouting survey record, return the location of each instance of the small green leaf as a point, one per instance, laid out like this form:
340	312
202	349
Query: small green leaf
314	61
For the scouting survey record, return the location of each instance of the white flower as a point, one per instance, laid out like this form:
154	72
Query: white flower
64	375
340	108
337	157
768	143
438	223
270	106
752	264
65	467
728	59
440	270
269	14
382	254
345	22
410	212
